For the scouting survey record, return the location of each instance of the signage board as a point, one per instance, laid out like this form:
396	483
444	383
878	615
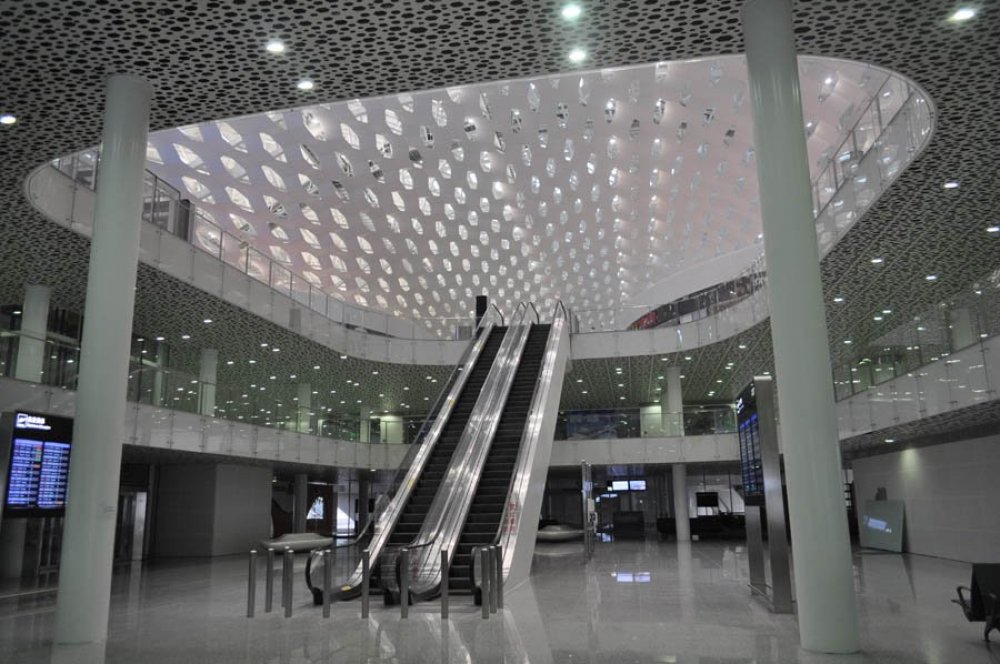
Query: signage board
36	453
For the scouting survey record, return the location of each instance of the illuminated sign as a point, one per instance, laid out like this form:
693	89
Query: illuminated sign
29	421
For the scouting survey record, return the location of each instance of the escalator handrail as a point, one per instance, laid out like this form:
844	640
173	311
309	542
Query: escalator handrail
384	523
559	311
446	522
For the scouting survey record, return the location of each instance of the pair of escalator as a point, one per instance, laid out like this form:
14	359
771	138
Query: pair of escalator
448	500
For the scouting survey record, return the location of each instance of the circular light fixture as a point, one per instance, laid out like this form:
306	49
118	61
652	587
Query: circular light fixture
577	55
962	14
951	184
572	11
993	229
207	321
878	260
931	277
7	118
305	85
275	46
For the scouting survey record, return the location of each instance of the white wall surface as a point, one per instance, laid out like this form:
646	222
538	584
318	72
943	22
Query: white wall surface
951	493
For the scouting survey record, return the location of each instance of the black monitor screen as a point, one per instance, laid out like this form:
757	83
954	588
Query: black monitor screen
750	462
38	473
707	499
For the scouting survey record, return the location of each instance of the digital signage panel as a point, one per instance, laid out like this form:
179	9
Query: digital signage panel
750	458
37	472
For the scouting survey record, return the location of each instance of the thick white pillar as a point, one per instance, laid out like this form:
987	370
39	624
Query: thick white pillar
364	432
682	514
672	403
824	579
303	412
301	502
34	326
208	370
99	427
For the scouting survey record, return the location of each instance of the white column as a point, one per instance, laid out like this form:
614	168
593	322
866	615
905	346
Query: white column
301	505
99	428
303	408
34	326
158	376
365	417
681	510
672	404
208	370
823	574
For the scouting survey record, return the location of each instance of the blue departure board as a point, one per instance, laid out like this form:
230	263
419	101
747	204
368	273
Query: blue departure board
38	472
750	457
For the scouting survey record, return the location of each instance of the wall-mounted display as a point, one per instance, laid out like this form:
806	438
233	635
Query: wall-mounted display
36	453
748	424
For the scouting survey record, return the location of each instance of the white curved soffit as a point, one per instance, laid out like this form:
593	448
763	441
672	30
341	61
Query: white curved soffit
599	188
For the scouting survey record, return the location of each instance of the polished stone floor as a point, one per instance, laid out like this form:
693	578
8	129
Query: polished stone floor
648	602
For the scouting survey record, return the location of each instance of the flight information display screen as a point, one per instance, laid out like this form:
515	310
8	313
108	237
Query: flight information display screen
750	458
38	469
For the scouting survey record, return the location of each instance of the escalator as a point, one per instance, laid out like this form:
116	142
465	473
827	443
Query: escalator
414	486
413	515
486	511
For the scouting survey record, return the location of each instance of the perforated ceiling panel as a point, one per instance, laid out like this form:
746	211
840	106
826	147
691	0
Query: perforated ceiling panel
206	61
599	188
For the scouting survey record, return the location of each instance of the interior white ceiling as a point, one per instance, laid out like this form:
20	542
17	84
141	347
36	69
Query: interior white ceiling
602	188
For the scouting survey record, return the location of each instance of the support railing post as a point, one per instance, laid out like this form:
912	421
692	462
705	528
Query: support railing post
269	582
491	573
286	581
252	584
444	584
366	575
498	580
404	583
327	580
484	580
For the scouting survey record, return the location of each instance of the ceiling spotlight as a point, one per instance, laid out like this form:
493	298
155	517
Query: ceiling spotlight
931	277
275	46
571	11
951	184
962	14
993	229
878	260
577	55
838	299
890	440
305	85
207	321
185	337
7	118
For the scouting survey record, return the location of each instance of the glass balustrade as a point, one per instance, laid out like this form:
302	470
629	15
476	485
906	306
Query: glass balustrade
615	423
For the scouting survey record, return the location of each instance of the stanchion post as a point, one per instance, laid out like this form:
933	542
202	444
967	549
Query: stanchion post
444	584
491	572
327	580
498	580
252	584
286	585
269	582
484	580
366	576
404	583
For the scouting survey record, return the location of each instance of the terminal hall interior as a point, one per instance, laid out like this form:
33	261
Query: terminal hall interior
540	331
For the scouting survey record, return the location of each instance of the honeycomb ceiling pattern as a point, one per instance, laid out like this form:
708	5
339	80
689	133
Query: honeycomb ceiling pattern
206	60
596	187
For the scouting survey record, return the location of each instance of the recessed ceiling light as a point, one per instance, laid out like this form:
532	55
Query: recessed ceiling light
838	299
577	55
878	260
305	85
207	321
878	318
993	229
931	277
962	14
848	342
571	11
185	336
7	118
951	184
890	440
275	46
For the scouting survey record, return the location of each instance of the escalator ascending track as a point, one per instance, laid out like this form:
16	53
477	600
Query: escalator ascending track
483	521
412	518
